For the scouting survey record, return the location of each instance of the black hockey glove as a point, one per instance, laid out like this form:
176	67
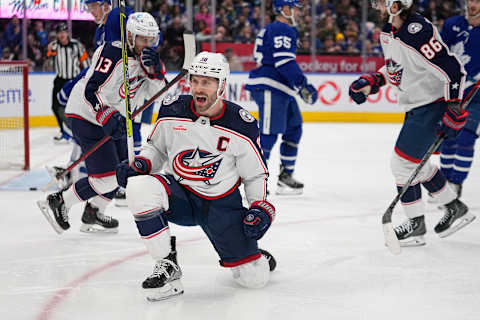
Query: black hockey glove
367	84
151	60
112	121
258	219
140	166
308	93
453	120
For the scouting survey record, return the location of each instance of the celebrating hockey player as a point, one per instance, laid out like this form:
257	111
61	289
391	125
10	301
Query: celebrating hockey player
207	147
462	35
96	111
273	85
430	81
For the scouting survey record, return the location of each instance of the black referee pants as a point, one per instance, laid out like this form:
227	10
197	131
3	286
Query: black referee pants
57	108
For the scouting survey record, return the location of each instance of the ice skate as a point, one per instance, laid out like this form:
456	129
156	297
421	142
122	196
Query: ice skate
411	232
94	221
63	182
164	282
55	211
287	185
120	198
61	138
456	217
272	263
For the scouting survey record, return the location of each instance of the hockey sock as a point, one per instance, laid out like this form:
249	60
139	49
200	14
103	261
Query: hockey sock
288	155
447	157
153	228
82	190
267	141
463	156
412	201
438	188
137	137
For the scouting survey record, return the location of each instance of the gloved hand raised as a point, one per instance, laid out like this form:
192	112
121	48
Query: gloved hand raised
124	170
112	121
258	219
151	59
367	84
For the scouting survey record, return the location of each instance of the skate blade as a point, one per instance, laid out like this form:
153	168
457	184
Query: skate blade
44	208
287	191
89	228
416	241
464	221
169	290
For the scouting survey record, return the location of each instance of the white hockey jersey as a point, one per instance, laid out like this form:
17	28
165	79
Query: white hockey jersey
209	156
419	64
103	84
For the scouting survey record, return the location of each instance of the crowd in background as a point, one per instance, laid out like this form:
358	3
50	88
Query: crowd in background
337	26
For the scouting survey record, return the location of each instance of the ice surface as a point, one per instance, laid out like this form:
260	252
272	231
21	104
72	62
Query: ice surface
332	263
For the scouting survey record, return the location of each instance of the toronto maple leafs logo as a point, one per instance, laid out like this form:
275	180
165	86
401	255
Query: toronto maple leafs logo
196	165
459	48
394	71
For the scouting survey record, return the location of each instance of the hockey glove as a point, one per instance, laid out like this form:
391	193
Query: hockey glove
453	119
308	93
140	166
258	219
112	121
364	86
151	60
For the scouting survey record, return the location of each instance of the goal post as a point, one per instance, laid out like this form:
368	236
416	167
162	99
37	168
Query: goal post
14	116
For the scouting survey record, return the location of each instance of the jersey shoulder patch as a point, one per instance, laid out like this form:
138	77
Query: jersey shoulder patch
414	27
116	44
246	116
169	99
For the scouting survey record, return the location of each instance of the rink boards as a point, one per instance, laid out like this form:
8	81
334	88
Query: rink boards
333	105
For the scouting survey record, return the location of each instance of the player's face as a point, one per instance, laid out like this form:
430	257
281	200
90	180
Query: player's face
96	10
473	7
141	42
204	90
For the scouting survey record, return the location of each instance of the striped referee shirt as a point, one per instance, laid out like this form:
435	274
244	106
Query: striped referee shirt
70	59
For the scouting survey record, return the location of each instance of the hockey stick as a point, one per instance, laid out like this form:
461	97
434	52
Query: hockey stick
126	82
391	240
190	50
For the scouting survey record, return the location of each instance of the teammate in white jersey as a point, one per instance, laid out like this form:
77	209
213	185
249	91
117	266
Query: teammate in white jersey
207	147
430	85
97	110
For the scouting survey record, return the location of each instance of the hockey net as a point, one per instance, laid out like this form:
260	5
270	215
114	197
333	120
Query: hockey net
14	130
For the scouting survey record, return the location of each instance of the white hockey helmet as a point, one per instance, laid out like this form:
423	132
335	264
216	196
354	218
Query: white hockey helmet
210	64
143	24
389	3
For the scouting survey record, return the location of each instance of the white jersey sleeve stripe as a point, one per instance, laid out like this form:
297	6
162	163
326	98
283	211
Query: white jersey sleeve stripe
282	62
284	54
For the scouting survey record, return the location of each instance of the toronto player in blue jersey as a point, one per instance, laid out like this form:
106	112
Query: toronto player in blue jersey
96	111
430	83
200	151
274	85
462	35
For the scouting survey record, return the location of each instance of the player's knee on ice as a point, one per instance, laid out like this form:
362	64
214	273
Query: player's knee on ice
146	193
254	274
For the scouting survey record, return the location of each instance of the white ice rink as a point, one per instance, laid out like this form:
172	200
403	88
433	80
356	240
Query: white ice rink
332	263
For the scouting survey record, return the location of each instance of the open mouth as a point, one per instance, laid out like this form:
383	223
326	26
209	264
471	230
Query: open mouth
201	99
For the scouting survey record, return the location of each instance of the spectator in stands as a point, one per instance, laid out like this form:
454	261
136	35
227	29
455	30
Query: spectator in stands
246	35
7	55
175	60
204	15
233	60
255	19
41	34
34	54
12	36
174	34
163	17
329	29
222	36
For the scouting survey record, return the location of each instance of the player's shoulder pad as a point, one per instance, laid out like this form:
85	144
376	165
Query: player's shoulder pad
455	20
279	28
416	31
239	120
178	107
113	51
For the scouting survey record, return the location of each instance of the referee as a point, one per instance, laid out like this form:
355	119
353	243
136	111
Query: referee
70	58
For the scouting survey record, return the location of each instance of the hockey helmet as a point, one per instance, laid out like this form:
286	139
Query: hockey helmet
389	3
101	1
143	24
209	64
278	8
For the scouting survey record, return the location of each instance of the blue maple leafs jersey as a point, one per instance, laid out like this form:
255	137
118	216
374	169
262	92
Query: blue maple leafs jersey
275	53
110	31
464	41
419	64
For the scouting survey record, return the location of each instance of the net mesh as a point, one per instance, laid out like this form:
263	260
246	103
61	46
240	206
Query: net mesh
12	129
